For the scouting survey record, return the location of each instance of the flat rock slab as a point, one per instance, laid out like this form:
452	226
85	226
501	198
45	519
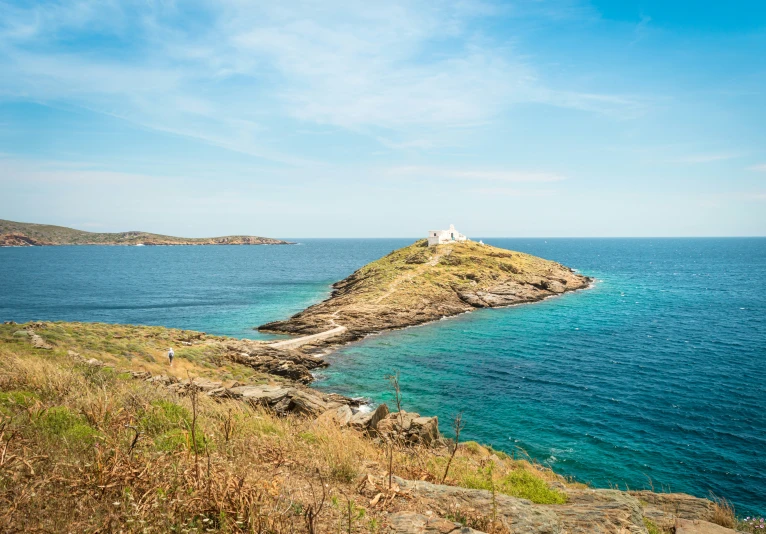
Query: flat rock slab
692	526
414	523
599	511
517	515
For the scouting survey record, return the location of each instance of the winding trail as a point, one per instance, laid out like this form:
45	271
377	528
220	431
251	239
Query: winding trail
409	276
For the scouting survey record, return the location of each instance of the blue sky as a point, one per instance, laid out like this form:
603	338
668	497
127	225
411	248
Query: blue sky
353	119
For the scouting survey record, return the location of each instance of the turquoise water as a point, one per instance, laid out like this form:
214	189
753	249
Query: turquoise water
652	377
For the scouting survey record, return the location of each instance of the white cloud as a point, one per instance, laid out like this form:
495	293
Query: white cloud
410	68
761	167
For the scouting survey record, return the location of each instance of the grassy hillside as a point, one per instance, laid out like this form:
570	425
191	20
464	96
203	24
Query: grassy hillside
28	234
70	460
418	283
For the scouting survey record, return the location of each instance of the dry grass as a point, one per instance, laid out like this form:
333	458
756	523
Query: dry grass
85	449
723	512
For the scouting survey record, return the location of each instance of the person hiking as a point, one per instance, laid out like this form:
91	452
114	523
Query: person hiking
170	356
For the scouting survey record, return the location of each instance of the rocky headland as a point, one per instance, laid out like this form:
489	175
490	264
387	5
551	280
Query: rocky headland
418	284
16	234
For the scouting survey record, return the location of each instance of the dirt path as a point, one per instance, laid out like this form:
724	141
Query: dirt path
297	342
410	275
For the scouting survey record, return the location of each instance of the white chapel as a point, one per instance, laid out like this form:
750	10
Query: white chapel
439	237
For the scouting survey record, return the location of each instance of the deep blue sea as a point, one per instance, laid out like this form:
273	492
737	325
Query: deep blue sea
654	377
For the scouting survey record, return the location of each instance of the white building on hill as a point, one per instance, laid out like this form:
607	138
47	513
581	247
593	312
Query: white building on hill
439	237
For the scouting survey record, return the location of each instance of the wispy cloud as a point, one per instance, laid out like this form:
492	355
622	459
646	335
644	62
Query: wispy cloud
476	174
761	167
229	75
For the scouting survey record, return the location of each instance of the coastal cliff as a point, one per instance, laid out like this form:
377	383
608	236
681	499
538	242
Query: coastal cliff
16	234
418	284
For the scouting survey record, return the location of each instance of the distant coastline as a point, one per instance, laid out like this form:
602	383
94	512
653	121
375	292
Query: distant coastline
17	234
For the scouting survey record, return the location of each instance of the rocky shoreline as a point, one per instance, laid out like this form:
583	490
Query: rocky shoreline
416	506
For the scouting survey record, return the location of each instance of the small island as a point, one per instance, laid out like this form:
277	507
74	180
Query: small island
441	276
17	234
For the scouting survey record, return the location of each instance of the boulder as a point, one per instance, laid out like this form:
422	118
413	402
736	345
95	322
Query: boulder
368	421
164	380
304	403
341	416
38	342
409	427
424	430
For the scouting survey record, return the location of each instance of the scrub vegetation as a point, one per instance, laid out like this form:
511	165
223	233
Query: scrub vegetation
93	449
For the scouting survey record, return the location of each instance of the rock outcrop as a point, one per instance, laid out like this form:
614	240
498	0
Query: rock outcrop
262	357
587	511
664	508
37	341
408	428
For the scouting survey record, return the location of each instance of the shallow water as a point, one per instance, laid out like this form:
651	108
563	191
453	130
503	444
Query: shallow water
652	377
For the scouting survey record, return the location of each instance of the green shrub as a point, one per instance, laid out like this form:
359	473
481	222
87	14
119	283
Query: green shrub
18	398
518	483
172	440
60	422
163	416
651	528
521	483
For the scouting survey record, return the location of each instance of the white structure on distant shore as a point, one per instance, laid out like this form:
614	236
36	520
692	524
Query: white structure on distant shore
439	237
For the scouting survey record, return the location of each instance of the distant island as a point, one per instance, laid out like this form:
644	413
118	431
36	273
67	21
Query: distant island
426	281
17	234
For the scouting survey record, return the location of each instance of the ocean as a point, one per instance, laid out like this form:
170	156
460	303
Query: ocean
650	379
